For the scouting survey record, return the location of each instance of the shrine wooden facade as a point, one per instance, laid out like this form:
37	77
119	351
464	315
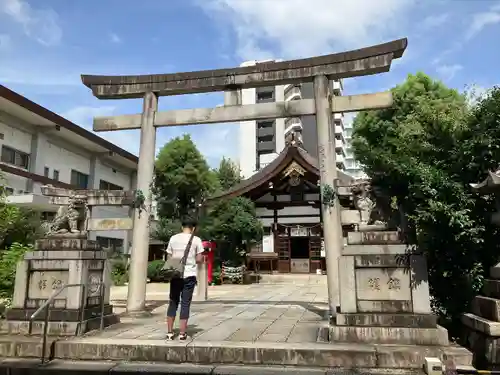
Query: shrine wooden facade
287	198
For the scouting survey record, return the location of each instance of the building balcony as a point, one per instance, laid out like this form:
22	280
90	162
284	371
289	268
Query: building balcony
292	124
340	160
292	92
338	116
339	144
31	201
339	130
338	87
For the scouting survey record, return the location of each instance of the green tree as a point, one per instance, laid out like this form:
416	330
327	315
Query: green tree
182	178
233	223
228	174
19	229
421	154
17	225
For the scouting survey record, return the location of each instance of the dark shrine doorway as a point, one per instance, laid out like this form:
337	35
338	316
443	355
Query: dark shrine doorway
299	247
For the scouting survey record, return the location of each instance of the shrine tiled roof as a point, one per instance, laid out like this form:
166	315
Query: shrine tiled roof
290	153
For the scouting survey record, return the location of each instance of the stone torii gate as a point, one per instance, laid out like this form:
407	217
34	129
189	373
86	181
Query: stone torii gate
319	70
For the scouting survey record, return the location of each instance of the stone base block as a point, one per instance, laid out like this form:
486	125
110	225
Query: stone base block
486	349
387	320
59	315
491	288
482	325
486	307
387	335
13	327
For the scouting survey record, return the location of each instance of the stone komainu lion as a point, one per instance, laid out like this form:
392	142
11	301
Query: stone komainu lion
69	218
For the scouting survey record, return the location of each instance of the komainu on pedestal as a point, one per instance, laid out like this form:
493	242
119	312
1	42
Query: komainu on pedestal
384	291
65	256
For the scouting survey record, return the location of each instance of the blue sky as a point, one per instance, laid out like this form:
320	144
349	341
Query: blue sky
46	44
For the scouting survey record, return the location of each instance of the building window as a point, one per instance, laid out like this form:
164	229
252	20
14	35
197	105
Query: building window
266	138
265	124
114	245
55	175
15	157
46	171
105	185
47	216
7	190
265	95
80	180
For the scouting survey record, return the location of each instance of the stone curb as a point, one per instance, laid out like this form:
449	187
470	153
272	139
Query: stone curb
275	354
327	355
56	367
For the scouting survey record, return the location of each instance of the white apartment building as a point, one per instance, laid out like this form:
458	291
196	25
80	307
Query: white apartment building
352	166
262	141
39	147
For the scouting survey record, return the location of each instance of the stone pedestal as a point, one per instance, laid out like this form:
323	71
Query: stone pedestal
384	293
482	332
54	263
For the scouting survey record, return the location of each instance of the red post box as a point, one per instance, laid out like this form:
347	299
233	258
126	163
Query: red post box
209	247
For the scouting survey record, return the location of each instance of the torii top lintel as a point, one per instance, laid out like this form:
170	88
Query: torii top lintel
364	61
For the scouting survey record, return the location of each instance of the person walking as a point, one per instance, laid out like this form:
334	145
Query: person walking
184	253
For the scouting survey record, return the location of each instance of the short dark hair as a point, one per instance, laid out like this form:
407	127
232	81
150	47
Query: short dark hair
189	222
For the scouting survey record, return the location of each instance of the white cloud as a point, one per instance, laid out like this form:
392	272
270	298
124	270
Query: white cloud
447	72
483	19
213	140
114	38
41	25
435	20
308	27
84	116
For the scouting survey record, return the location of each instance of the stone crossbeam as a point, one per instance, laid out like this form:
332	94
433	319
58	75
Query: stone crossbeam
365	61
261	111
62	196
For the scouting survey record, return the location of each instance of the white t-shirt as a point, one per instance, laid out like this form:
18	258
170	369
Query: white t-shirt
177	246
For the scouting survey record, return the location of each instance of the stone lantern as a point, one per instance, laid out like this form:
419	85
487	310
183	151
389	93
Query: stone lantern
483	323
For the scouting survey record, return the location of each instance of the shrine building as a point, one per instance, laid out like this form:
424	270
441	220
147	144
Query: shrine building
287	197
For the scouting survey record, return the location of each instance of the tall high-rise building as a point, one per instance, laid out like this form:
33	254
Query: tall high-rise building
262	141
352	166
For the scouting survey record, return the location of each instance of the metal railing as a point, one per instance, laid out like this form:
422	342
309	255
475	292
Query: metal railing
47	305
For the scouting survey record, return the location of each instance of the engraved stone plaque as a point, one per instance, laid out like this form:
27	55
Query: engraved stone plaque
382	284
43	283
93	284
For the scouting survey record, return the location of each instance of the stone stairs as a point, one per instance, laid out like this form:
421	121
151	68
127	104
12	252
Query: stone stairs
483	323
296	279
323	356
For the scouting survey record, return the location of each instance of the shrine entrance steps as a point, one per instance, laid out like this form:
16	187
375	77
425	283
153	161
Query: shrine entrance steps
292	278
279	324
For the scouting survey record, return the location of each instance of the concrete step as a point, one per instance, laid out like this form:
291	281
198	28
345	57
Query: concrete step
480	324
486	307
326	355
300	279
20	366
258	353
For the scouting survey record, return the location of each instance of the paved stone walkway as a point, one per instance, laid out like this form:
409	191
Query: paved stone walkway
281	312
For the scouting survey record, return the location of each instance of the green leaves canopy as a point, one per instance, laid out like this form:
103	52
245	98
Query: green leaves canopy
422	154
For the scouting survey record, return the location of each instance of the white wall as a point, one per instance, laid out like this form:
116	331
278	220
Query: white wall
18	139
247	138
57	154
